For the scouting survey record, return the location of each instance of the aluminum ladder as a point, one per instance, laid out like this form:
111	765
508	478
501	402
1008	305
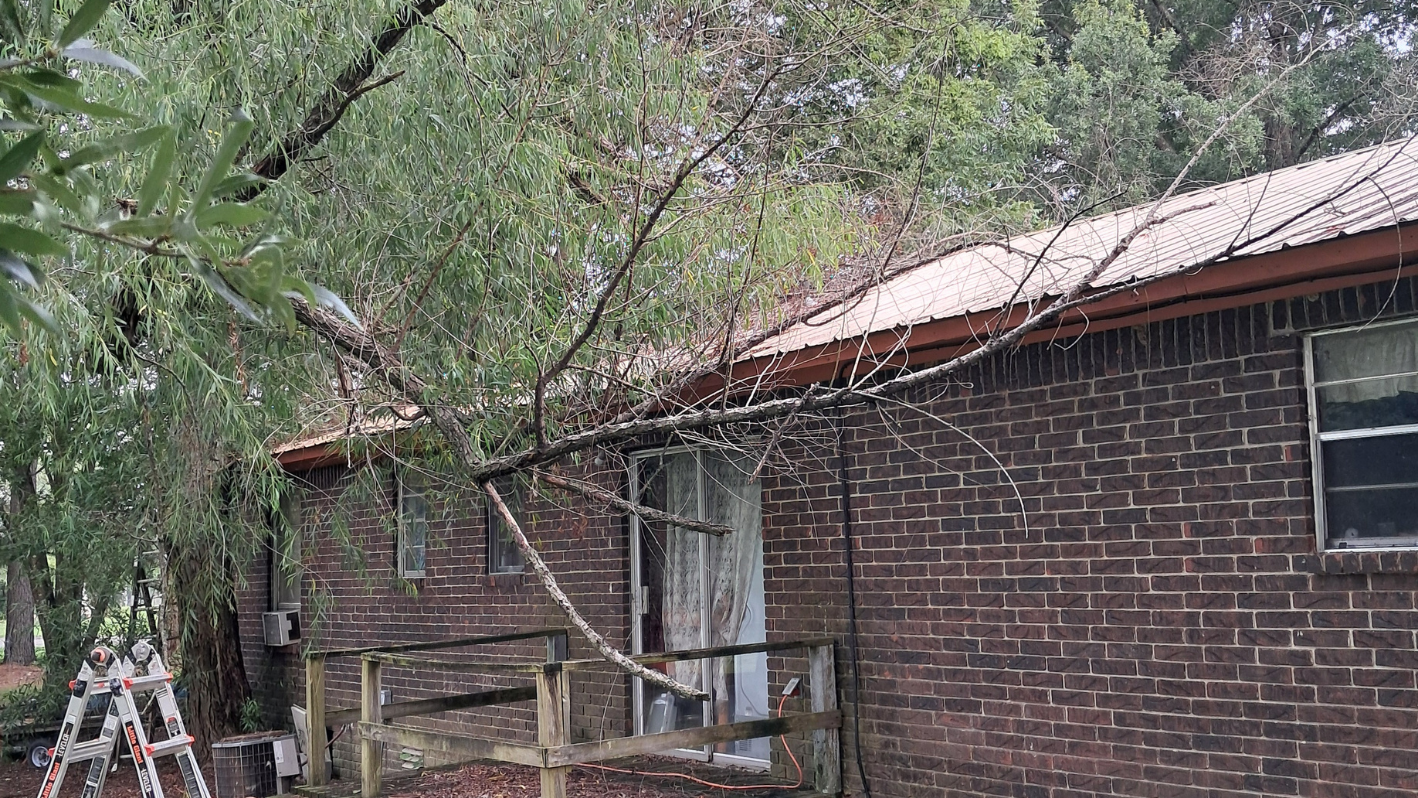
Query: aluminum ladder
120	682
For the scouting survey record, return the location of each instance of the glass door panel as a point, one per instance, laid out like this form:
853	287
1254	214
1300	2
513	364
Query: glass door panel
694	590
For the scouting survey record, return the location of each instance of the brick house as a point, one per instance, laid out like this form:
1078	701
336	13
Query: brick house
1166	546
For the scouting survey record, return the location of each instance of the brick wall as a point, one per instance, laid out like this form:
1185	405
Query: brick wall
360	602
1161	626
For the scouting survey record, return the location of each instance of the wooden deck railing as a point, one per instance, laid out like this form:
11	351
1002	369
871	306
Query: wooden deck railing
318	719
554	754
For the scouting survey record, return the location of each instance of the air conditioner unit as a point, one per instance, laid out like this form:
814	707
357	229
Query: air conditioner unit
254	765
282	627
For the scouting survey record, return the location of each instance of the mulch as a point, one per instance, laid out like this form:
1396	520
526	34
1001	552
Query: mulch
19	780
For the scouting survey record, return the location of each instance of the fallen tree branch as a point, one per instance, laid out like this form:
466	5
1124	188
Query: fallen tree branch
646	513
349	86
609	652
686	168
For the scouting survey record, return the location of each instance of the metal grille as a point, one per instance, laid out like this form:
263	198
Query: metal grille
245	766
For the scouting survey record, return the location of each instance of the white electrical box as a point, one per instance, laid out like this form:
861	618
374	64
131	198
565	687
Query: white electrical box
283	750
281	627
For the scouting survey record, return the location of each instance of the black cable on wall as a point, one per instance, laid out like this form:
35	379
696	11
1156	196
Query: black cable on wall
845	489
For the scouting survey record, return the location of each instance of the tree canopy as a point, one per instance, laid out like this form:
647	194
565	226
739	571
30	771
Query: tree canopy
224	224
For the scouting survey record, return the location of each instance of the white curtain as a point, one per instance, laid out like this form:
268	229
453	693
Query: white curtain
733	562
732	501
735	569
1367	353
683	598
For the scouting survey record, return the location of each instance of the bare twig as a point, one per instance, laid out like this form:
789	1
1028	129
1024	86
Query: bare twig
687	168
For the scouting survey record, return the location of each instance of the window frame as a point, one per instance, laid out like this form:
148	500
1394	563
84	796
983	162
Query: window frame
516	490
1319	437
401	535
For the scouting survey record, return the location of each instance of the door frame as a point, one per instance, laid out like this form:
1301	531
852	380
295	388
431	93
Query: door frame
639	598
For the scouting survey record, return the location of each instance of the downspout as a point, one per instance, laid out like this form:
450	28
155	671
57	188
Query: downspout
845	490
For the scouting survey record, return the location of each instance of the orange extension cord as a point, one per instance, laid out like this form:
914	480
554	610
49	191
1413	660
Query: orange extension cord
712	784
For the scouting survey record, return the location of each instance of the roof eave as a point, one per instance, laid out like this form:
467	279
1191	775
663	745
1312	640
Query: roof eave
1325	266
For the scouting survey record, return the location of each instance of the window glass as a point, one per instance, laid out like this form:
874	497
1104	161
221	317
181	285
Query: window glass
699	590
1371	490
1366	396
503	555
413	529
1381	402
286	571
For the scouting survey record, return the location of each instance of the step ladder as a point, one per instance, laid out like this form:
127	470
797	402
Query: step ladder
119	680
143	603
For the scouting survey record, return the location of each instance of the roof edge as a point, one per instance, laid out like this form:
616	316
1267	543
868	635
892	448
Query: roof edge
1335	263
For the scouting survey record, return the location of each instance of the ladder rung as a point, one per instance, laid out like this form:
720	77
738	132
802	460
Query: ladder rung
174	746
85	751
137	683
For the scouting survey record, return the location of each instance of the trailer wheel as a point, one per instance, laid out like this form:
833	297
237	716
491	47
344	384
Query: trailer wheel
37	754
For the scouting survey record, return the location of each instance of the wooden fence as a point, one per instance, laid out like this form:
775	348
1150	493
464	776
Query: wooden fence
554	754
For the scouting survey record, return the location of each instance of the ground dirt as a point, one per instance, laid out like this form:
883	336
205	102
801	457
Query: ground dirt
19	780
12	676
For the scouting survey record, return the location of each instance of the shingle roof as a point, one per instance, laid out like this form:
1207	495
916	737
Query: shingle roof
1355	192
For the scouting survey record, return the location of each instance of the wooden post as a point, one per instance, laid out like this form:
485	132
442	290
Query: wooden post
371	752
826	747
316	742
553	725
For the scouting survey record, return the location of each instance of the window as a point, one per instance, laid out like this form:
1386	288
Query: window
413	528
503	556
1363	385
286	571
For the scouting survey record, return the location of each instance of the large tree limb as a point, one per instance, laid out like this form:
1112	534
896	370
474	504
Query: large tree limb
609	652
349	86
646	513
686	168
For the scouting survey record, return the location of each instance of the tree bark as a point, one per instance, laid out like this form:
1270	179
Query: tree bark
210	644
19	596
19	616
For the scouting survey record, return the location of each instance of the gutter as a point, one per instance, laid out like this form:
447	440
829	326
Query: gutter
1346	262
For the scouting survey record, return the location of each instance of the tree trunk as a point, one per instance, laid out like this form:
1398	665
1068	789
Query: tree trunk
19	616
210	643
19	596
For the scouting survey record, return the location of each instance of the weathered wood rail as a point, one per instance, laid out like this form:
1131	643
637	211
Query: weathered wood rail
554	754
318	718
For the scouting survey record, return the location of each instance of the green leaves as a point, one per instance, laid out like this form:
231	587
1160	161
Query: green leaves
52	91
13	307
16	203
155	184
238	131
18	157
19	270
33	242
82	22
84	50
108	148
229	214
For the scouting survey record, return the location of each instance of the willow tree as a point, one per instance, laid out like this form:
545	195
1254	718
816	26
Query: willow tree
546	219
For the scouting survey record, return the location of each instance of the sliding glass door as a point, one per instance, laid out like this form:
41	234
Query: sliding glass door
694	590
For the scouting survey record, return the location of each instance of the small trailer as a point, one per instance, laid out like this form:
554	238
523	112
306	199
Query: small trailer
33	736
